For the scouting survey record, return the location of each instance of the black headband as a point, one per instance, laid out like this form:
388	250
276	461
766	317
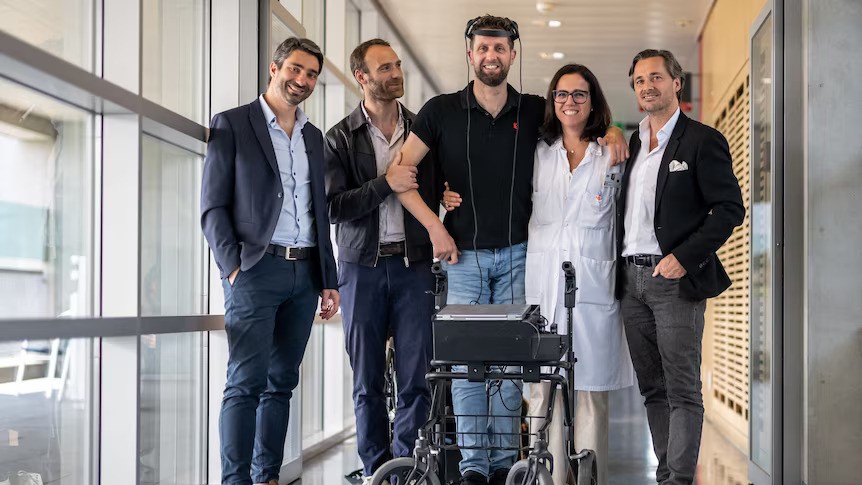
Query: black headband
511	32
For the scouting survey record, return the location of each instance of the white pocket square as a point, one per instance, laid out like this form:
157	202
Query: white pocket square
677	166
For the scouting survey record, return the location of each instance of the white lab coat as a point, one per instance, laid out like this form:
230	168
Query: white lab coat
573	220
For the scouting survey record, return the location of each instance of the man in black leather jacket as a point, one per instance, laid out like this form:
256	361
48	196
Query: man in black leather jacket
383	252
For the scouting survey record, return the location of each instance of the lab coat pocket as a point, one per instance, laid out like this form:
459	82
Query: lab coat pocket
597	209
595	281
597	243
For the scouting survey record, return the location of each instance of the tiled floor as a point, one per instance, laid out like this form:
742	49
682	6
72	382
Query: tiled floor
631	458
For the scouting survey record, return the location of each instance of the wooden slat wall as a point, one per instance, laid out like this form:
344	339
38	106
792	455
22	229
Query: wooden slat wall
726	341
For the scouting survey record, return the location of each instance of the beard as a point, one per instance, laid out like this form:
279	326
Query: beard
662	103
492	79
386	91
291	98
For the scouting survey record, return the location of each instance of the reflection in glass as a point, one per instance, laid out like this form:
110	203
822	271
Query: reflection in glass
172	407
173	55
312	374
45	206
762	287
172	254
63	28
46	418
172	366
352	35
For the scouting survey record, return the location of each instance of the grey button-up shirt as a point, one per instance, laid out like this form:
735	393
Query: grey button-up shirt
391	223
295	226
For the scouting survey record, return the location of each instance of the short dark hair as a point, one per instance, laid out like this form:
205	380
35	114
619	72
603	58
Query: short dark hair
670	63
291	44
490	22
599	118
357	57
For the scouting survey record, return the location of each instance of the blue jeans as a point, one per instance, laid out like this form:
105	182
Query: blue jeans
269	311
377	301
497	278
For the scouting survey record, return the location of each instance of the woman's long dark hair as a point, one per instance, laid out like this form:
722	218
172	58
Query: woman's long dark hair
599	118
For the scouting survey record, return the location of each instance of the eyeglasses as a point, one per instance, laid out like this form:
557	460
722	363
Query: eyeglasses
579	97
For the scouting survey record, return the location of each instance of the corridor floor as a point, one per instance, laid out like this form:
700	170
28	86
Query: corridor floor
632	461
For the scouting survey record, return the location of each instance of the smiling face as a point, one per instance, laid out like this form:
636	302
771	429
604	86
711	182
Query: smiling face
654	86
573	116
491	58
295	81
384	80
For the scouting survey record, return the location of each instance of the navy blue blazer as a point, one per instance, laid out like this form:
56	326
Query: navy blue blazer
241	191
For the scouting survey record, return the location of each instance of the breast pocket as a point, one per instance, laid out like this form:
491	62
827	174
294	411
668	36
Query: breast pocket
597	209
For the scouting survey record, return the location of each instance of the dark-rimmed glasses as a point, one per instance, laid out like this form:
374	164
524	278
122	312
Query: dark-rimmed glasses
579	97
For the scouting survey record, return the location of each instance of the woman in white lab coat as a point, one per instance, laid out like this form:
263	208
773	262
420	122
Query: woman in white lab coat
574	194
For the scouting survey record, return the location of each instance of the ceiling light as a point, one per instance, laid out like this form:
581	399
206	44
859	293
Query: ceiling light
544	7
554	24
552	55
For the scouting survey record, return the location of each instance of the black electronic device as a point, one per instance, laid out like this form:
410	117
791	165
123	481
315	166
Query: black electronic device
512	32
511	334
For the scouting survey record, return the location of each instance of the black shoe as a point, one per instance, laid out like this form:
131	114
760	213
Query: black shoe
499	477
473	478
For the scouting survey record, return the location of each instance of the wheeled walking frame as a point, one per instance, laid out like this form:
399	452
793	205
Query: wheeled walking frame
461	337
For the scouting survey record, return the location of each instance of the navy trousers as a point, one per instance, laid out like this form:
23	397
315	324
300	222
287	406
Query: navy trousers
377	301
269	311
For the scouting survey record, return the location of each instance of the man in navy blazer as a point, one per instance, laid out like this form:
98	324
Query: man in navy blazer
679	202
263	212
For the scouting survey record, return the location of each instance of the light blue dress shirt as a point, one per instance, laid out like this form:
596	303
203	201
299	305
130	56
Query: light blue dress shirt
295	226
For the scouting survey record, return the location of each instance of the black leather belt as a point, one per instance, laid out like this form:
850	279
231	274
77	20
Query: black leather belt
643	260
391	249
290	254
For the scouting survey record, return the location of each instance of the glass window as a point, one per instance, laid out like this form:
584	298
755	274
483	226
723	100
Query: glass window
172	366
278	34
353	19
63	28
311	374
173	53
45	206
172	409
292	6
762	263
172	254
46	417
314	21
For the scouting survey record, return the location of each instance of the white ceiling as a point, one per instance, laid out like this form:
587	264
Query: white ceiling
604	35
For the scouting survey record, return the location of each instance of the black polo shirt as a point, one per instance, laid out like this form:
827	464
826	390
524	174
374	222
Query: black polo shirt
442	126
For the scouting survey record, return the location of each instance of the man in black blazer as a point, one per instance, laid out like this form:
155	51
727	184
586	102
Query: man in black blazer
679	202
263	212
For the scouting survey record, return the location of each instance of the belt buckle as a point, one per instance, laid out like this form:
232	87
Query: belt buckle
287	255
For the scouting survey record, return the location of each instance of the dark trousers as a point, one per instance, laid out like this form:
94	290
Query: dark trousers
664	333
269	311
377	301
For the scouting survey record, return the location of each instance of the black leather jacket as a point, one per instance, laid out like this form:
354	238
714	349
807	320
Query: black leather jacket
354	192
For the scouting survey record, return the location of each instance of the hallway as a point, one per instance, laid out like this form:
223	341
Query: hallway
631	463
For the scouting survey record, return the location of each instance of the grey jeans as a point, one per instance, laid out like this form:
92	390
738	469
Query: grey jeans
664	333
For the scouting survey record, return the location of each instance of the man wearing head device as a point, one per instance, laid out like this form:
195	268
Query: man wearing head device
483	139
